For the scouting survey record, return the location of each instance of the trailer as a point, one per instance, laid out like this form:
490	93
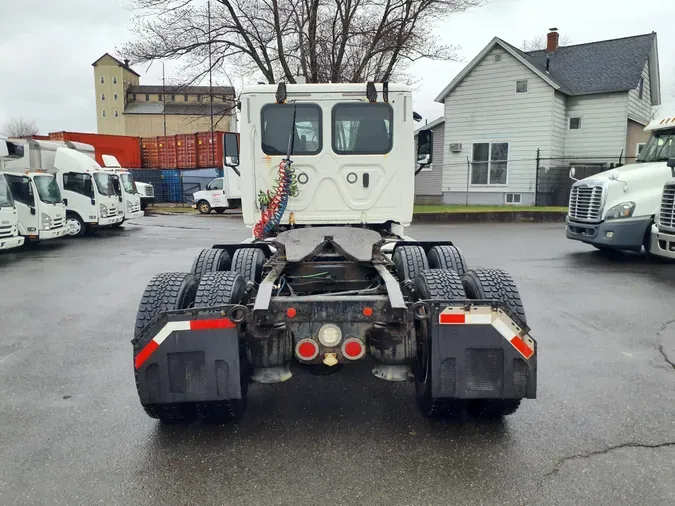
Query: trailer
329	277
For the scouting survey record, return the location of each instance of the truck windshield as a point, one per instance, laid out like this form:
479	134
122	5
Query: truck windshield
116	184
104	184
660	147
128	182
5	194
47	189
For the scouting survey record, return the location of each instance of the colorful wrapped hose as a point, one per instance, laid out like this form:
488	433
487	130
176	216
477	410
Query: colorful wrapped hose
274	206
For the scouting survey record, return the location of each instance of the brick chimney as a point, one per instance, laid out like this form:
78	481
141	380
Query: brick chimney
126	62
552	40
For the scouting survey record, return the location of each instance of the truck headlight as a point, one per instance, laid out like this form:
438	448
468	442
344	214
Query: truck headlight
623	210
104	210
129	205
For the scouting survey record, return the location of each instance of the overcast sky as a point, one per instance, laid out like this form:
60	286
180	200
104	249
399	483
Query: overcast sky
47	48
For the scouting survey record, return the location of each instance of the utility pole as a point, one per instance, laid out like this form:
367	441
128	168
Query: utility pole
213	144
163	99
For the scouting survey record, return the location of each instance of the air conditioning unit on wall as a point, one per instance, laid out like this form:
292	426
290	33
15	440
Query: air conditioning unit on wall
456	148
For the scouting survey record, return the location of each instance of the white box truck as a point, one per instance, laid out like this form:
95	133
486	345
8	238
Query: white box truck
9	232
88	192
125	187
220	194
616	208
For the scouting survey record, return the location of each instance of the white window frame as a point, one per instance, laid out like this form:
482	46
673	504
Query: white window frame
637	148
514	203
527	86
489	162
581	122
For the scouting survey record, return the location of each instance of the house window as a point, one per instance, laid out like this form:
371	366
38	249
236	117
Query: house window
575	123
521	86
117	113
639	148
159	97
185	98
115	97
103	113
641	87
199	98
114	80
102	97
490	163
133	97
513	198
173	98
147	98
102	80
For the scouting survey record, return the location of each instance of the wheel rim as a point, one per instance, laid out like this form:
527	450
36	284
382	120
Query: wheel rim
73	226
204	208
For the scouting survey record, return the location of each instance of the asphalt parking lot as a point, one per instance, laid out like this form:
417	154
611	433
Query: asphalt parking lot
72	431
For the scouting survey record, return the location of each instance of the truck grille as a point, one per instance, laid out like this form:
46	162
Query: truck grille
135	208
6	231
586	202
57	223
112	212
150	191
667	210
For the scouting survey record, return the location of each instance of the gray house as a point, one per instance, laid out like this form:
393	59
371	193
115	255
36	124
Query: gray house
428	183
586	101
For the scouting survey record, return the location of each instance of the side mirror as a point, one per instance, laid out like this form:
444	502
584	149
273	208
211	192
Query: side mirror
4	150
65	202
671	163
425	147
231	150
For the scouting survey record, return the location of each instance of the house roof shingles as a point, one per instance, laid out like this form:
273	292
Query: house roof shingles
597	67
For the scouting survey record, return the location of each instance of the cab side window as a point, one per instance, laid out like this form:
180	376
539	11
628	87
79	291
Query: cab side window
216	184
78	183
22	190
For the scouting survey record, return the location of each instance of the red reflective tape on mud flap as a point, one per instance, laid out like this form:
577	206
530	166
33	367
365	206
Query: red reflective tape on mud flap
520	345
151	347
451	318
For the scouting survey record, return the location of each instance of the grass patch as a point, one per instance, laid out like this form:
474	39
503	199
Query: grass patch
484	209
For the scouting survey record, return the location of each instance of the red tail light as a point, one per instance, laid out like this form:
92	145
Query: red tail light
353	349
307	349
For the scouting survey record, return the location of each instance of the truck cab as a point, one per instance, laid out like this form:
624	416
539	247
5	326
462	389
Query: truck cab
212	198
9	233
663	230
616	208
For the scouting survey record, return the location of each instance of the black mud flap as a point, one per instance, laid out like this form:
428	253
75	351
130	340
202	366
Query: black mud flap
479	352
188	356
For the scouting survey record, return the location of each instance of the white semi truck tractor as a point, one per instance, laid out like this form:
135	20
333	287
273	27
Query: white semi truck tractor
87	191
9	218
616	209
661	146
329	277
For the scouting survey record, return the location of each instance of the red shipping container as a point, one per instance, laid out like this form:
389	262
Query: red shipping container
209	154
166	147
149	153
126	149
186	151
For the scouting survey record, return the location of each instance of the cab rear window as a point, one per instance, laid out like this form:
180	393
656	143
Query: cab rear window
362	129
277	125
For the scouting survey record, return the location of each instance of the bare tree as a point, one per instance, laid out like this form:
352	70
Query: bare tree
321	40
539	42
19	127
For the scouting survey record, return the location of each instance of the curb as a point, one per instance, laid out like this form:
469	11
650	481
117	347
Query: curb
492	217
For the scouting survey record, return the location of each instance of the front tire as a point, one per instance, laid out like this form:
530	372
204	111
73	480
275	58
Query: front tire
204	207
75	227
441	284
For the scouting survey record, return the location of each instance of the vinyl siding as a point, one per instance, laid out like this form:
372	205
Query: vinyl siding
428	182
603	125
484	107
640	110
558	125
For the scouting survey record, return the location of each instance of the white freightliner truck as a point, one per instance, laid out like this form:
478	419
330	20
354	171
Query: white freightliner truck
662	146
39	206
329	277
616	209
9	218
125	187
87	191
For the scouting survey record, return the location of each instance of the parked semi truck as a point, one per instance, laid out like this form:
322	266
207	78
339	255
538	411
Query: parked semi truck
329	276
87	191
125	188
661	146
616	208
9	218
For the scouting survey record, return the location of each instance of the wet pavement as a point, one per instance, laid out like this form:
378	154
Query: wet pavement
72	431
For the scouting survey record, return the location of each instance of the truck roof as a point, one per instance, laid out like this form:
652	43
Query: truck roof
324	88
661	123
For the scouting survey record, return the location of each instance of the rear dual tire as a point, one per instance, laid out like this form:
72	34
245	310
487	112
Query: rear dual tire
171	291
